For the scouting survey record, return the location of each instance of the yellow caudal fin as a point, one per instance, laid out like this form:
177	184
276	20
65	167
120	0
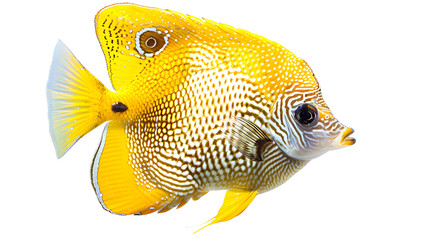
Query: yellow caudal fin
235	202
113	178
74	97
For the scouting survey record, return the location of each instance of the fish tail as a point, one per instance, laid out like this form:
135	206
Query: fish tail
74	100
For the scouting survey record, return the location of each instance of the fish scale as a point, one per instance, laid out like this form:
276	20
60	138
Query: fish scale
213	176
197	106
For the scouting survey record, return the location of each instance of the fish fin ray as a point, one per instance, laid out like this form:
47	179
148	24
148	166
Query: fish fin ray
114	181
179	202
73	95
183	201
235	202
197	196
174	203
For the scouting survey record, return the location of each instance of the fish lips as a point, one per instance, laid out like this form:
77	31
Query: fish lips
346	140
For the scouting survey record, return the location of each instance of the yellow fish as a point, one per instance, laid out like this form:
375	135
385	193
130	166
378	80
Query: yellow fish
197	106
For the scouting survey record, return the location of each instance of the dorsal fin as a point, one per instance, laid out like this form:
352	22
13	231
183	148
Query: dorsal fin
161	47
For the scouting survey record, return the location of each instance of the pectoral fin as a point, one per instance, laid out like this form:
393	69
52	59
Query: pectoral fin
247	137
235	202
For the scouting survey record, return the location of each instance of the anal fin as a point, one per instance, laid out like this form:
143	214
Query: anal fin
234	203
198	195
114	181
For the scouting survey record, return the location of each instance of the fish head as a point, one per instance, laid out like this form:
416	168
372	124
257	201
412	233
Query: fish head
302	124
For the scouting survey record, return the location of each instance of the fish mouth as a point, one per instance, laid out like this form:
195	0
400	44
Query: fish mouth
346	140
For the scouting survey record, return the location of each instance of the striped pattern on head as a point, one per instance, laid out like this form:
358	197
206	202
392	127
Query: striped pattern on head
305	141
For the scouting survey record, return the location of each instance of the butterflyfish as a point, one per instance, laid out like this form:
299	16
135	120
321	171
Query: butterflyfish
196	106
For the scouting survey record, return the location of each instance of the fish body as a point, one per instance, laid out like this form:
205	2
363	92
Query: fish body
197	106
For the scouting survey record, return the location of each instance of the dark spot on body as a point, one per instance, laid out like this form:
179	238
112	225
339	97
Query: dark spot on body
119	107
151	41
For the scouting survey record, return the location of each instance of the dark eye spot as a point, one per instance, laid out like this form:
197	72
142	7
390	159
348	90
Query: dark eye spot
306	114
119	107
151	42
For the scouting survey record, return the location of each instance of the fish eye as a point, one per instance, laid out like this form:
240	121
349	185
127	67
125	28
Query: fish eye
306	114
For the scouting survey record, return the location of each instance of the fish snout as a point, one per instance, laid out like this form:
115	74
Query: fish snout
346	140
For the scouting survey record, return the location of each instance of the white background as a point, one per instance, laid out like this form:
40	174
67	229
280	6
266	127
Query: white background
370	57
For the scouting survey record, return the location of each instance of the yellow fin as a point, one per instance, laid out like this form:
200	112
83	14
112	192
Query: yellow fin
186	44
114	181
235	202
73	95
